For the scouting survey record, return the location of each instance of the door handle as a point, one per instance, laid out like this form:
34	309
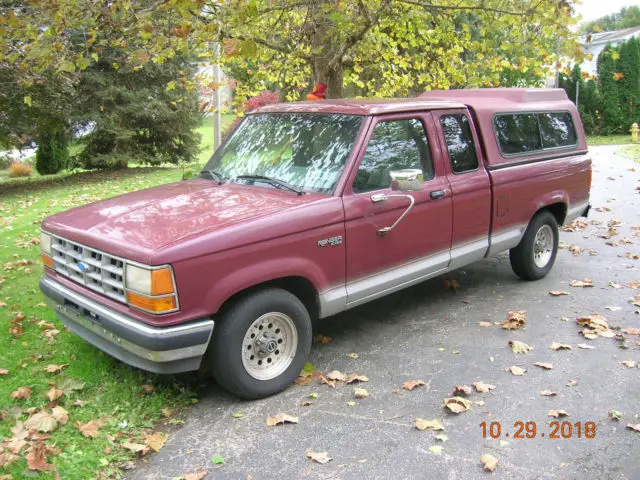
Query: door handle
437	194
381	197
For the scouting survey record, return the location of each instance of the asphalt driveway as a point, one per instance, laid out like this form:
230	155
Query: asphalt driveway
432	334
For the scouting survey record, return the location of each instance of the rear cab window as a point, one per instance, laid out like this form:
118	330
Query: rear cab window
460	143
535	132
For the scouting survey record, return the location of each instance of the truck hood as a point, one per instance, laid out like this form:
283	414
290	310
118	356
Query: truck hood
150	219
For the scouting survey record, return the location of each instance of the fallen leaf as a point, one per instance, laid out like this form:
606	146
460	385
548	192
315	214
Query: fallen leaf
485	324
217	460
560	346
313	395
436	448
306	403
155	440
613	309
558	293
7	458
331	383
281	419
55	368
54	393
633	256
352	378
360	393
575	226
4	371
411	384
60	414
336	376
515	320
36	458
520	347
42	422
322	339
318	457
351	403
352	355
483	387
148	389
585	346
615	415
15	445
615	285
596	325
548	393
634	285
587	282
517	371
237	415
138	448
489	462
451	284
635	427
628	363
631	331
461	390
557	413
90	429
422	424
196	475
457	404
69	385
22	393
572	383
442	437
626	240
546	366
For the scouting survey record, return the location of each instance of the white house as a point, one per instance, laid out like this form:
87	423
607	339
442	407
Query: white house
594	43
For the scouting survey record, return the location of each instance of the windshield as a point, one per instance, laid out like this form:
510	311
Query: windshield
304	150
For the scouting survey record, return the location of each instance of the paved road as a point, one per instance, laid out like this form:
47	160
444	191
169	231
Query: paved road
432	334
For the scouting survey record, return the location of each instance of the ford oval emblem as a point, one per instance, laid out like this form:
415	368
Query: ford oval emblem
82	266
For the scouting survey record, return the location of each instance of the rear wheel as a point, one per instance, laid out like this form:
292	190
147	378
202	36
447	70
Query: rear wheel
261	343
535	255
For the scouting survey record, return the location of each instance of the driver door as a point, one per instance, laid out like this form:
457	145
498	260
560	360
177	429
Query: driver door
418	247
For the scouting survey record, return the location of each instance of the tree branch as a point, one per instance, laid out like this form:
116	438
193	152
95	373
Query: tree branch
466	8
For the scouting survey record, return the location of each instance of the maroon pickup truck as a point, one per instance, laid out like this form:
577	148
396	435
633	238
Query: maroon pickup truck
310	209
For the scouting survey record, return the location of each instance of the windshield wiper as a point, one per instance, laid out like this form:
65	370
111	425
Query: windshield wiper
273	181
212	175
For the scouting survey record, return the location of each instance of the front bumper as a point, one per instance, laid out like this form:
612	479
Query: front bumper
160	350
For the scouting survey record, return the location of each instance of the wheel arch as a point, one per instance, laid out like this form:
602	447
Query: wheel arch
299	286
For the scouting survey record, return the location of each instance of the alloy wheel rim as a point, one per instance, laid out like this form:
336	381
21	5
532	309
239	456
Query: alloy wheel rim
269	346
543	246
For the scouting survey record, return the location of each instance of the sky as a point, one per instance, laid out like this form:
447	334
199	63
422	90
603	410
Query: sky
592	9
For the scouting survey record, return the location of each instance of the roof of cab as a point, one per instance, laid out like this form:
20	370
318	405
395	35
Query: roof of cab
362	106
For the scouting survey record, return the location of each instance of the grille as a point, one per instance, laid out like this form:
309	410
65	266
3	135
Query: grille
94	269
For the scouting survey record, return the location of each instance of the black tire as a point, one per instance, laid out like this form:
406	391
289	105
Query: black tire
227	348
522	257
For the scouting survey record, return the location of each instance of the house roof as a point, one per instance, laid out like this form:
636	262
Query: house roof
606	37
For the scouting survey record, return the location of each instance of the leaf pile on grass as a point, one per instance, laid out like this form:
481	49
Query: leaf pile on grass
66	408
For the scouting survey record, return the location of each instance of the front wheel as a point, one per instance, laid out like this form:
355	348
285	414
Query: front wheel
261	343
536	253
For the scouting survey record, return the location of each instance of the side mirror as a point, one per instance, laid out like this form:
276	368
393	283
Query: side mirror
408	180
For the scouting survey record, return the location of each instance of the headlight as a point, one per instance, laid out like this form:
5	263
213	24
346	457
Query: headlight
151	289
45	243
45	249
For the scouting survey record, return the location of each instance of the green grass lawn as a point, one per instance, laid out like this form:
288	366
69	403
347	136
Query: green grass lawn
105	388
630	151
609	140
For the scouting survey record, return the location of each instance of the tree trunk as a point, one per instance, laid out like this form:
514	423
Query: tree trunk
332	77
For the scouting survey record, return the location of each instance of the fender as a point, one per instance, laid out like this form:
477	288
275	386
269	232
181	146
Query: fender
258	273
549	198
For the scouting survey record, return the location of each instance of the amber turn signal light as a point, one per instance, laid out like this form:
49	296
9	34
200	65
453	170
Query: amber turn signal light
151	304
46	260
161	282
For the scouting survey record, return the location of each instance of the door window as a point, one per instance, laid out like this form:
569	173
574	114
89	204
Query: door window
460	144
394	145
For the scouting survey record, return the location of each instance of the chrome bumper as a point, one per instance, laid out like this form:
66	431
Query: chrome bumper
156	349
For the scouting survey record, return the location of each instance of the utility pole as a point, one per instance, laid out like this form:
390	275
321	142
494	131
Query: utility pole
217	118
